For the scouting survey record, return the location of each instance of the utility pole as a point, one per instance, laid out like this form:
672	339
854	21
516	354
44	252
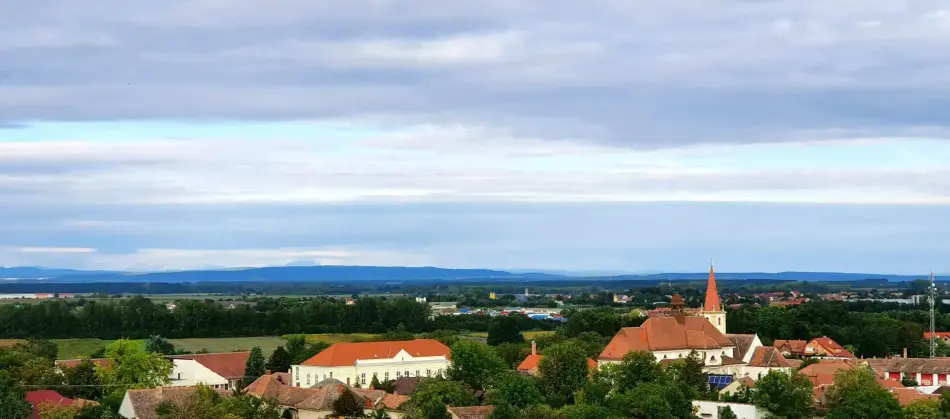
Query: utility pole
933	334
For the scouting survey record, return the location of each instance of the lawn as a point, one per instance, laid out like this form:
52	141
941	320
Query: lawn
332	338
267	344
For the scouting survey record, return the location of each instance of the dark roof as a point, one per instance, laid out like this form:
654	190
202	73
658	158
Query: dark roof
742	342
921	365
144	401
472	412
406	385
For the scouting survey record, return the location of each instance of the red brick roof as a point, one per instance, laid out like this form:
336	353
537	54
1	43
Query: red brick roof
832	347
795	347
712	294
230	365
341	354
768	357
906	396
941	335
666	333
531	362
45	397
471	412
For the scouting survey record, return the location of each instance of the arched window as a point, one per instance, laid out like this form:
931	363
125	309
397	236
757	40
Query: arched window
720	321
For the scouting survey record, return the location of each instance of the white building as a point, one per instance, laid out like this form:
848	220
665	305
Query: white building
357	363
712	410
220	371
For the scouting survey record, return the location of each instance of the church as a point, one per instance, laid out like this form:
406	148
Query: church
677	335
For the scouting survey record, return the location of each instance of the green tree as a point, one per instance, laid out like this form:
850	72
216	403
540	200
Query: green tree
635	368
380	414
160	345
12	402
279	360
505	329
660	400
505	411
787	396
727	413
690	372
81	381
203	403
586	411
97	412
563	370
41	348
474	364
297	348
55	411
375	384
923	409
255	367
431	397
250	407
348	404
515	390
512	353
857	394
132	367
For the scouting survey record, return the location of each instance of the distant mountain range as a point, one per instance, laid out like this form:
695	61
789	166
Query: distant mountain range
403	274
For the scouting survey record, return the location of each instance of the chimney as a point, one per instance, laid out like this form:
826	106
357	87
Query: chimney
905	353
534	348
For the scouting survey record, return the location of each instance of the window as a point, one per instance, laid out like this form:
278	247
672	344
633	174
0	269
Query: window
407	373
308	379
331	374
428	372
720	321
387	376
417	373
398	374
363	378
297	373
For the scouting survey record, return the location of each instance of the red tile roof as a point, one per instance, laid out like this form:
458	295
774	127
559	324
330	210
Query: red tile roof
471	412
531	362
794	347
906	396
230	365
342	354
712	294
832	347
941	335
666	333
768	357
41	398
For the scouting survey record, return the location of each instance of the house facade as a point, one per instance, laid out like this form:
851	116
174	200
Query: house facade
222	371
357	363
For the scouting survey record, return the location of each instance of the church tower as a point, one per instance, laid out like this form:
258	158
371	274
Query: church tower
712	309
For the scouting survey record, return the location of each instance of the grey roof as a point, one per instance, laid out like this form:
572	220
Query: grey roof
742	342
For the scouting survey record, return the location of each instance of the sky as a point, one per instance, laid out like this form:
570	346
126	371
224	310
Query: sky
604	135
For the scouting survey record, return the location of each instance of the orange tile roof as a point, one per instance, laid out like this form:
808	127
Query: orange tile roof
796	347
531	362
941	335
666	333
832	347
906	396
823	373
712	294
230	365
342	354
768	357
471	412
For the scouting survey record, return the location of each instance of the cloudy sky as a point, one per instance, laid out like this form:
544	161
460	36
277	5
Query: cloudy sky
621	135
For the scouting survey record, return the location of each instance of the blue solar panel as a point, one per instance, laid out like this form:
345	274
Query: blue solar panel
720	381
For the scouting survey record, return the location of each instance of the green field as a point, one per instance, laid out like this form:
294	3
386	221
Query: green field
78	348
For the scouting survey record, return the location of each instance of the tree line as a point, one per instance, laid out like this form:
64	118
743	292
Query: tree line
139	318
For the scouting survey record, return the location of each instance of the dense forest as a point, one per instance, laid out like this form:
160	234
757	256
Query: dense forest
139	317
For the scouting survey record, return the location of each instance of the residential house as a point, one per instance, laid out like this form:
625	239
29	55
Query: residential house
827	348
791	347
317	402
141	403
73	363
358	363
219	370
822	374
530	364
712	410
737	385
406	386
41	400
471	412
745	345
923	371
765	359
944	336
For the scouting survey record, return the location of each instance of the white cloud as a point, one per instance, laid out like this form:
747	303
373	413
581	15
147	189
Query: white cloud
55	250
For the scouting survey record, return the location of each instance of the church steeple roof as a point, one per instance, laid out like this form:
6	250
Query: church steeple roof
712	294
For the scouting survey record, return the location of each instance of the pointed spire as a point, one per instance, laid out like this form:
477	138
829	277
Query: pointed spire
712	294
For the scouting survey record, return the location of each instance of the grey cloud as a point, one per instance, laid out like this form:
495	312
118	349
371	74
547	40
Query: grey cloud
654	74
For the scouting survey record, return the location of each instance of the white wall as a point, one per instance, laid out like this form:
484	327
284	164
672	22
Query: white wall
710	410
758	372
125	409
362	372
187	373
756	343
